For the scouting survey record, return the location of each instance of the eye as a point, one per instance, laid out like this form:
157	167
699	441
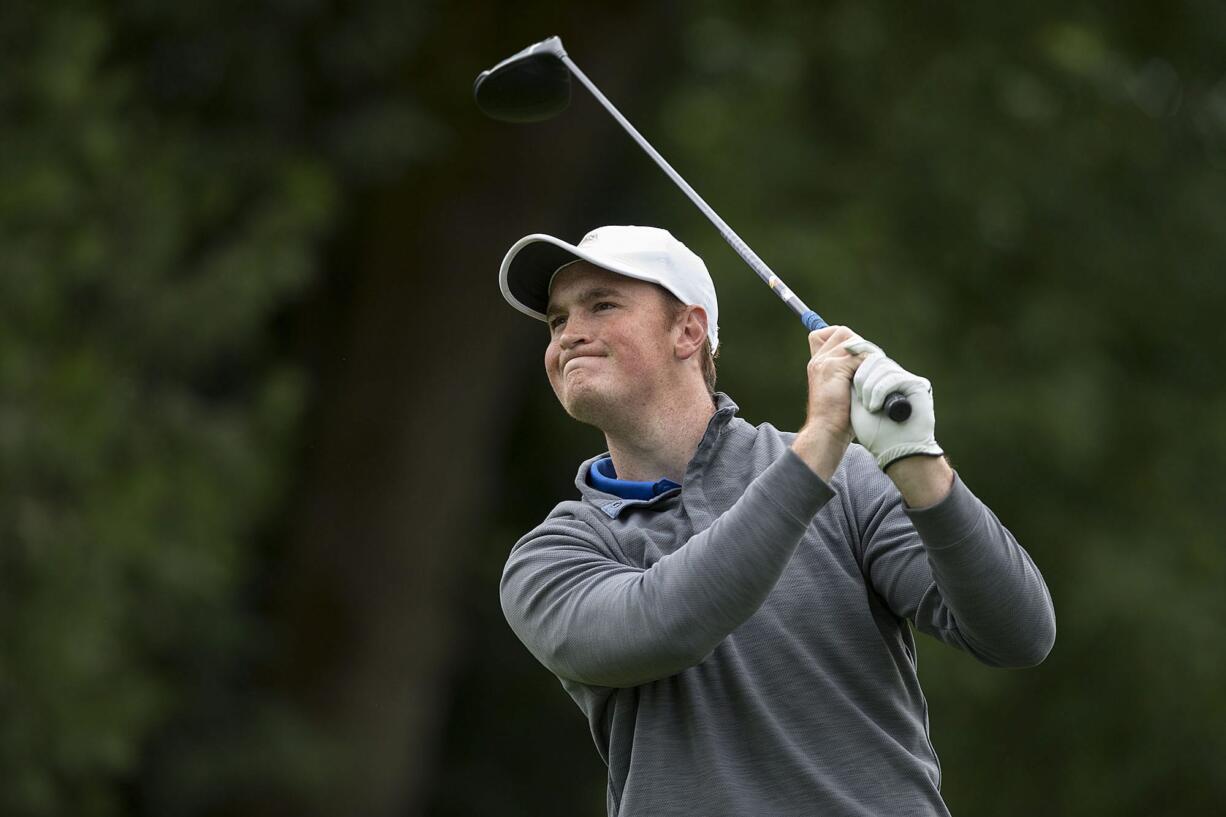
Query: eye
556	322
600	307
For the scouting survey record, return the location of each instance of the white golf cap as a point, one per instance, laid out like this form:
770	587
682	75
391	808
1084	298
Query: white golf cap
646	253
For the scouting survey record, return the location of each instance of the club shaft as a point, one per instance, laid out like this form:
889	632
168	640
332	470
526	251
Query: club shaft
808	316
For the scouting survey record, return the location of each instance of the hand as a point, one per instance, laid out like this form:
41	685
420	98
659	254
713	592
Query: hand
888	441
827	431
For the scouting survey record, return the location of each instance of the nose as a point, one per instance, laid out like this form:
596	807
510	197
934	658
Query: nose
574	333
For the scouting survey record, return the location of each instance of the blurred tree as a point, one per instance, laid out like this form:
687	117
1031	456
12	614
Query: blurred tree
145	416
169	175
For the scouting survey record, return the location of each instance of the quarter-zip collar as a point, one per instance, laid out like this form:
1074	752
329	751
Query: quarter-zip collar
612	505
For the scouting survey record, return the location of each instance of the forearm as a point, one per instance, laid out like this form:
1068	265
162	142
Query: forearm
599	622
990	596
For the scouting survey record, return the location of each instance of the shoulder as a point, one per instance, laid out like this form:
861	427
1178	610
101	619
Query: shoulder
571	523
859	467
569	514
862	486
763	440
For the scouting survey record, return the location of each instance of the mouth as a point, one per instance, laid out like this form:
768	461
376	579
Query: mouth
567	365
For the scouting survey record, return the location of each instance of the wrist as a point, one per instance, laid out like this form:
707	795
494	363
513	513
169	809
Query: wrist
821	449
922	479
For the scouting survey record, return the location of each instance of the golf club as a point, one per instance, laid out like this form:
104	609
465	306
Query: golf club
534	85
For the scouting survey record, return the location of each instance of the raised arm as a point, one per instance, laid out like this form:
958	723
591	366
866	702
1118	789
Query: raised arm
957	573
592	619
946	562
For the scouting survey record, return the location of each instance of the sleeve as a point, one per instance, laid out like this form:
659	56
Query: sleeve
591	619
958	574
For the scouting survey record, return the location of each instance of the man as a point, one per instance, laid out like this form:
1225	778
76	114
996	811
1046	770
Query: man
729	604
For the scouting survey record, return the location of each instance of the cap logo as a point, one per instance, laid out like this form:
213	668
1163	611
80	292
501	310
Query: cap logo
589	238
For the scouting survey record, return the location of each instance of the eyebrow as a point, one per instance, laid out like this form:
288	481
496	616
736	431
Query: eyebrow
589	295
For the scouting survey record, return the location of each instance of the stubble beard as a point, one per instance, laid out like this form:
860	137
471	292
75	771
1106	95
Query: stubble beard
590	405
605	409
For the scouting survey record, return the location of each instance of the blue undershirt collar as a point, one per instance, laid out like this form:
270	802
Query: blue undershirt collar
603	477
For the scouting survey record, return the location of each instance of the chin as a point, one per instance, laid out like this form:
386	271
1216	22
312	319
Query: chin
593	406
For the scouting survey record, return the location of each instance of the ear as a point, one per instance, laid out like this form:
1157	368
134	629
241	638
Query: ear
692	324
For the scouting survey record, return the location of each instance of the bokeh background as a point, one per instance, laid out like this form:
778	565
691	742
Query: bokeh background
268	431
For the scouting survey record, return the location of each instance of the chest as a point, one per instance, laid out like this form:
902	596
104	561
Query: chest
822	591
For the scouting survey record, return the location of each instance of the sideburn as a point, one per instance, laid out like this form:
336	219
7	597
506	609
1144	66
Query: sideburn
673	309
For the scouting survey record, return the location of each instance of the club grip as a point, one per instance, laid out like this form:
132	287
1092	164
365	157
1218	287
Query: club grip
897	407
813	321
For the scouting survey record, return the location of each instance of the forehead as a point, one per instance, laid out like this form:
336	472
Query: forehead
574	280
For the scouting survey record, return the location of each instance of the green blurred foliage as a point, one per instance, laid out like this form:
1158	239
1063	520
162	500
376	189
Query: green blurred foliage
143	426
167	177
1023	204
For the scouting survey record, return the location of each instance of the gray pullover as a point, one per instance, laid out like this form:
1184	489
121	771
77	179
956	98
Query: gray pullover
740	645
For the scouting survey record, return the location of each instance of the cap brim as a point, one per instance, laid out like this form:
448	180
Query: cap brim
530	264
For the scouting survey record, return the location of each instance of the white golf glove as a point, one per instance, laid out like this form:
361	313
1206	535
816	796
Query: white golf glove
876	378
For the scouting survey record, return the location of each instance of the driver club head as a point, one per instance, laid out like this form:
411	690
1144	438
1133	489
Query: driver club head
531	86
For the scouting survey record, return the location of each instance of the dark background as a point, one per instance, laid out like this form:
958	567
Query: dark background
268	430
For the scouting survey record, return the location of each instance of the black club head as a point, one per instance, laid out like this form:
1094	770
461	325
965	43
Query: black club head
531	86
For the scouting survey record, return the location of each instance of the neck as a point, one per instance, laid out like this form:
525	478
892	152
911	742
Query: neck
663	440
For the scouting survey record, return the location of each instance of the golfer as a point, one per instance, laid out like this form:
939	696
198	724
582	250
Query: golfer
731	605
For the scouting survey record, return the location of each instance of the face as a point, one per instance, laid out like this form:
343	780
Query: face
612	343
